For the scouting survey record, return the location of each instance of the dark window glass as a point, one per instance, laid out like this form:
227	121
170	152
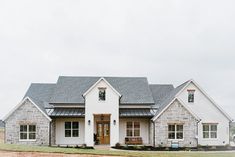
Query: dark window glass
191	96
102	94
75	133
67	125
67	133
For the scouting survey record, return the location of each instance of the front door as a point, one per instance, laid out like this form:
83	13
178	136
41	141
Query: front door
103	132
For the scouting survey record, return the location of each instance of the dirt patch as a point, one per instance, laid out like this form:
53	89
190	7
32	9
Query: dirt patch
36	154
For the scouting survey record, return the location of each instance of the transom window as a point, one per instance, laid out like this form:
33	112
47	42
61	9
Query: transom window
175	131
133	129
102	94
27	132
209	130
71	129
191	96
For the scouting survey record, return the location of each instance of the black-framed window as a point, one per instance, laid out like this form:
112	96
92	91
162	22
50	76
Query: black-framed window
191	96
102	94
27	132
175	131
133	129
71	129
209	130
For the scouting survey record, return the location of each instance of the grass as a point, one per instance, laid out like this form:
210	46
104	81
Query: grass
26	148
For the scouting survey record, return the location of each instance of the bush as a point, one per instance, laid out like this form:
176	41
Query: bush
118	145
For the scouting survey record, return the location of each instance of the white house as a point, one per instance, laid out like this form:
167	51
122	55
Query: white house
110	110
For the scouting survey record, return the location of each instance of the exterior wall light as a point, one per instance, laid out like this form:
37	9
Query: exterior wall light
114	122
89	122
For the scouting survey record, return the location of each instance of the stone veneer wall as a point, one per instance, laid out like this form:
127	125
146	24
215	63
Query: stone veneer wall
176	113
26	114
53	132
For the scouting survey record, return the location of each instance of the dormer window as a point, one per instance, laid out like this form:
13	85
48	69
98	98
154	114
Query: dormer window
102	94
191	96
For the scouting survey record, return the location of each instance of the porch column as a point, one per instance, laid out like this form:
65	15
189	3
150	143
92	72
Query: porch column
89	130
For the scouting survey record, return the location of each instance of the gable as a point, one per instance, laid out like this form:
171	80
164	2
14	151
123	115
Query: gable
203	105
23	102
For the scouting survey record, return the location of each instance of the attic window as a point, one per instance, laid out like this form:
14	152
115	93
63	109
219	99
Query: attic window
102	94
191	96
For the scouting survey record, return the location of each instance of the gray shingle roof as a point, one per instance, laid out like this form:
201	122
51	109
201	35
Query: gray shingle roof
170	97
159	92
40	94
134	90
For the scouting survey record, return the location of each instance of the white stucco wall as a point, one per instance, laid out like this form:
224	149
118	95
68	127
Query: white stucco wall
60	132
208	113
144	129
109	106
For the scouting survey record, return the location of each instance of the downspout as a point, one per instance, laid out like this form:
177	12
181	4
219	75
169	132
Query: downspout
50	132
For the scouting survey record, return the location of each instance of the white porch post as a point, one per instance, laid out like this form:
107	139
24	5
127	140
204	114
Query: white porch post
114	129
89	130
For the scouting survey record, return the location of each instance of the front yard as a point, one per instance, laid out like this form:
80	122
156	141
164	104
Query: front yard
23	148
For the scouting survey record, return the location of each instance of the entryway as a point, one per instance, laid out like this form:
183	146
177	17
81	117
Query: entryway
102	133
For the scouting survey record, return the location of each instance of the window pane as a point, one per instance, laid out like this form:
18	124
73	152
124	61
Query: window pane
213	134
101	94
128	132
136	125
75	133
67	125
32	128
205	127
136	132
32	136
67	133
179	127
23	136
23	128
205	134
129	125
75	125
213	127
179	135
171	135
171	127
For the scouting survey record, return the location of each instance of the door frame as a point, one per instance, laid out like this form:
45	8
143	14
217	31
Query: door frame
103	122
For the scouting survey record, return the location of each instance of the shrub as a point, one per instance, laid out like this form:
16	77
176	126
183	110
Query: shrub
117	145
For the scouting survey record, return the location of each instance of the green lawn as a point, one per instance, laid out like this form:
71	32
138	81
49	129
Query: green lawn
24	148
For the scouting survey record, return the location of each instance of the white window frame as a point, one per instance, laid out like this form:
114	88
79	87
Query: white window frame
133	128
191	91
175	132
210	131
28	132
72	129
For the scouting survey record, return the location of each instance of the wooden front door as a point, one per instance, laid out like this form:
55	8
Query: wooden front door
103	132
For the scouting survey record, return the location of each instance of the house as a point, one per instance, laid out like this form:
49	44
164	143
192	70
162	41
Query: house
110	110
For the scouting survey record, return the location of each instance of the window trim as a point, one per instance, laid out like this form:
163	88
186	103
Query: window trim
191	91
72	129
175	132
209	131
102	88
133	128
28	132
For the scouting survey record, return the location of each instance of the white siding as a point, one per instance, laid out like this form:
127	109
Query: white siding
144	129
109	106
60	132
208	113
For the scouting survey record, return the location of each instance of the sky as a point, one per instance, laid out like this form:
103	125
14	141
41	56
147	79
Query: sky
167	41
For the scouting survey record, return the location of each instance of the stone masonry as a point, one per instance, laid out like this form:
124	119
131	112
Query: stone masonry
176	114
27	114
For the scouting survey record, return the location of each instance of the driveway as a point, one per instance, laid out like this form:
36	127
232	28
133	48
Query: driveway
36	154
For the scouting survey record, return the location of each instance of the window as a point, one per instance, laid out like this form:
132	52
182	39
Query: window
209	130
71	129
191	96
27	132
175	131
133	129
102	94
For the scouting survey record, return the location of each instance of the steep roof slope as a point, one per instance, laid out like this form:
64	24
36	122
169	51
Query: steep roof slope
40	94
160	92
134	90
